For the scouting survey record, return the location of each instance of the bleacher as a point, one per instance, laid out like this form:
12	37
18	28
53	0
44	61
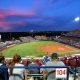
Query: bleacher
72	38
2	46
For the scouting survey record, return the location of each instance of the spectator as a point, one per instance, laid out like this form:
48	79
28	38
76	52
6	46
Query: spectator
32	70
55	62
46	58
38	62
67	62
42	69
3	71
26	62
16	73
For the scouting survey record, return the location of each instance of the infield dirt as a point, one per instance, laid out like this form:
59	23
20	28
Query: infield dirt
58	48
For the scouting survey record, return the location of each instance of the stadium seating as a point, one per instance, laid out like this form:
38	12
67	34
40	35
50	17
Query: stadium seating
2	46
72	38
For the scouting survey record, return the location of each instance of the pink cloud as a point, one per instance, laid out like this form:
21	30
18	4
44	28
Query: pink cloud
8	25
16	13
27	14
2	13
5	26
1	16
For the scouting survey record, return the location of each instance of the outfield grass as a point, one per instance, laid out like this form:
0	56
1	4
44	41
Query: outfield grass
28	49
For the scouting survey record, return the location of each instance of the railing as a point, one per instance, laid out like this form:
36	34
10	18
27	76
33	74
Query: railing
26	67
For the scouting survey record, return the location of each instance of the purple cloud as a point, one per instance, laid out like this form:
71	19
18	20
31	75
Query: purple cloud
7	25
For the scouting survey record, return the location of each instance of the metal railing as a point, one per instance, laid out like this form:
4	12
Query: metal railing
27	67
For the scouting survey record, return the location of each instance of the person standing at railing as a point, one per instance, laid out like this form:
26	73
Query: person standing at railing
49	73
17	73
3	71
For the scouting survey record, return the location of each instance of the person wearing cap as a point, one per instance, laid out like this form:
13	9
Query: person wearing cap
49	73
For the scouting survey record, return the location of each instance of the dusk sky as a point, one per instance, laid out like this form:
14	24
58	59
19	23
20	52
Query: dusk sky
39	15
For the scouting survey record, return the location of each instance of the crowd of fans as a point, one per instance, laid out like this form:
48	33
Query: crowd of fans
69	40
72	38
49	60
32	39
2	46
21	40
75	33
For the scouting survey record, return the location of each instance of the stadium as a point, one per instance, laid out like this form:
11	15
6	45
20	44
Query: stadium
40	47
39	40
